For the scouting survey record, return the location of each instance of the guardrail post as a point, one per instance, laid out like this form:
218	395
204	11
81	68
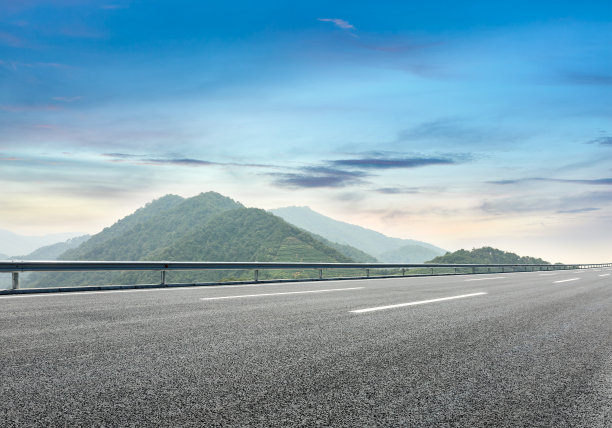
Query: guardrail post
403	271
163	277
320	273
256	272
368	272
473	269
15	280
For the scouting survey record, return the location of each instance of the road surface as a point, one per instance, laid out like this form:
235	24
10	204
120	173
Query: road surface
517	349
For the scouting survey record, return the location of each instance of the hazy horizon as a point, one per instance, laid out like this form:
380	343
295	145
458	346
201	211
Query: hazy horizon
461	124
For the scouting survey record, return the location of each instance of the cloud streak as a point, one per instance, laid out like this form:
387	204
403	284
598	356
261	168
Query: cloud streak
566	204
597	181
397	190
340	23
382	163
350	172
577	211
177	160
312	177
603	141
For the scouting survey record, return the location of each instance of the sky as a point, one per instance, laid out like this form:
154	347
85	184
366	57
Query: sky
461	124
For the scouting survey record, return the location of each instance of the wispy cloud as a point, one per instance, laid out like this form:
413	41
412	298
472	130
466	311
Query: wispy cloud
177	160
596	181
155	160
123	155
382	163
350	172
583	202
310	177
340	23
577	211
180	162
451	129
604	141
397	190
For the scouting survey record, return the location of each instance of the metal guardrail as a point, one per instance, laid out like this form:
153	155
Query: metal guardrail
15	267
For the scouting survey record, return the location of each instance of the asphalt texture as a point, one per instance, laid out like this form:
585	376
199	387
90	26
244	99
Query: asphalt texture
535	350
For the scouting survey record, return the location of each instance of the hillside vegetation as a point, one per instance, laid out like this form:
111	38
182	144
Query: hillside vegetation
207	227
485	255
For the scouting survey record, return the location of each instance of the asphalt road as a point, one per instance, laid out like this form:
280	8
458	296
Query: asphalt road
521	349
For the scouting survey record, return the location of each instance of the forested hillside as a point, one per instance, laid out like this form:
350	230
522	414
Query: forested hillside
207	227
485	255
155	224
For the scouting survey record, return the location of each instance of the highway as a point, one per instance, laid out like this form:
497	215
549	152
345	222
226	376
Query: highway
516	349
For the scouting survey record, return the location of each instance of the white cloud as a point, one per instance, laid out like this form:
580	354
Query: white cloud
340	23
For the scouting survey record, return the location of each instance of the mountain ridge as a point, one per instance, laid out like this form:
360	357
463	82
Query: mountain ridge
206	227
371	242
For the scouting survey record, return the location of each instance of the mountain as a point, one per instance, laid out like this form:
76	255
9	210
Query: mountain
13	243
248	234
49	252
53	251
376	244
485	255
409	253
90	249
351	252
207	227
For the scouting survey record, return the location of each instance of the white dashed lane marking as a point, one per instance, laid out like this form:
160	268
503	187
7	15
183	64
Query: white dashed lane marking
567	280
280	294
421	302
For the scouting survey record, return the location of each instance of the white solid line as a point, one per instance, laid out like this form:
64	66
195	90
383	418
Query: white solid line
421	302
566	280
547	274
605	274
279	294
484	279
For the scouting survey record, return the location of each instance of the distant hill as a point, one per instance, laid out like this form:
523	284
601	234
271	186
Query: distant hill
382	247
13	243
351	252
52	252
409	254
207	227
49	252
485	255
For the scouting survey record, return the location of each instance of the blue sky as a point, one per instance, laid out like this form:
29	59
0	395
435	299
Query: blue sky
458	123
